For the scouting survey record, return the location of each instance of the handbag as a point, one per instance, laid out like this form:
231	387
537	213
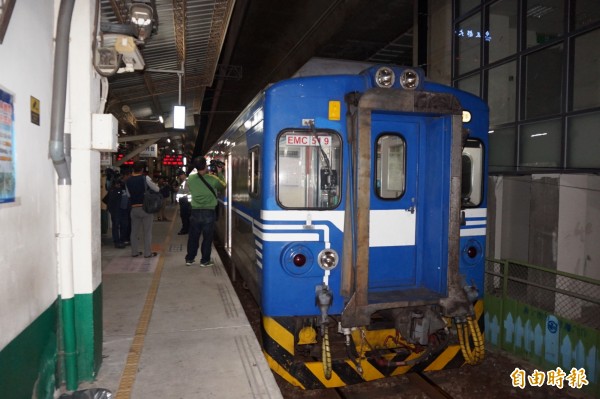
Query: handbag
152	199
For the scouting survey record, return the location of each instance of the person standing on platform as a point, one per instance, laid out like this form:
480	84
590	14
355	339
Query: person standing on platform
125	210
165	191
185	207
113	202
203	187
141	221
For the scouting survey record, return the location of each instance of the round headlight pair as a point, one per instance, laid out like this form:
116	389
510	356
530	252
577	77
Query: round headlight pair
385	78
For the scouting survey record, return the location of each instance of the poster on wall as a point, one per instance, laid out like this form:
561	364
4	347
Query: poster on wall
7	156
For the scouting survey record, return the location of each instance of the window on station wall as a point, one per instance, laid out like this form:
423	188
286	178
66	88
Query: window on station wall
502	93
470	85
254	171
543	82
583	141
503	24
586	64
468	43
585	12
540	145
309	169
390	166
503	143
544	21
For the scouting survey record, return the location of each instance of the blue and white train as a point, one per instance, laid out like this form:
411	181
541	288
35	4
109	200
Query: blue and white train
356	214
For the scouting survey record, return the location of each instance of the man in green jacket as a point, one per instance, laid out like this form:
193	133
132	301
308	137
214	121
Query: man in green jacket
204	187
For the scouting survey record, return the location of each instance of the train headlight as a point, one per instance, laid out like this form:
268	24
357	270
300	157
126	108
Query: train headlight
385	77
466	117
409	79
328	259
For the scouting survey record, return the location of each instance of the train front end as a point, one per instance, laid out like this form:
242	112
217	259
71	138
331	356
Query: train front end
371	236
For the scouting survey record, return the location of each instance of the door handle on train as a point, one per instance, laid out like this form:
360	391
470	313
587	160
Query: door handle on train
463	218
410	209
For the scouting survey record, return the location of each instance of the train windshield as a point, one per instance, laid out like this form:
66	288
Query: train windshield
308	169
472	173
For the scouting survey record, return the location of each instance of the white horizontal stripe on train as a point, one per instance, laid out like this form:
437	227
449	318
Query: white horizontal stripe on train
334	217
383	228
273	237
475	213
472	232
476	222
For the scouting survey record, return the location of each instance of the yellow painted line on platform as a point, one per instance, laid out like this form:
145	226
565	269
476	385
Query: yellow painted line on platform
135	351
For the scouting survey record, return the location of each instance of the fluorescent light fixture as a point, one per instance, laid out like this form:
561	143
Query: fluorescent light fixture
179	117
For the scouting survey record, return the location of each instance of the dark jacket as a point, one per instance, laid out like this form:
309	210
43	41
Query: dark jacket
136	186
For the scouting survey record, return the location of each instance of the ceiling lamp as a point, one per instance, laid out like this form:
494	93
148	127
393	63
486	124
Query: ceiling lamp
142	17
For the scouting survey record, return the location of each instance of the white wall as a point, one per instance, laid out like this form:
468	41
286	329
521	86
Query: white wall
83	101
28	246
28	271
578	232
439	60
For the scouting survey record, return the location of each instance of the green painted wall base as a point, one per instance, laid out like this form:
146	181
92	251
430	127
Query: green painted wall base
88	329
30	365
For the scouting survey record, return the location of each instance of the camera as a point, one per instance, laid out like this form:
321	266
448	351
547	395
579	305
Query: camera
215	163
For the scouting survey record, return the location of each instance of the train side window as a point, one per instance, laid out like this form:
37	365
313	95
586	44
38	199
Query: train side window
472	173
308	169
390	166
254	171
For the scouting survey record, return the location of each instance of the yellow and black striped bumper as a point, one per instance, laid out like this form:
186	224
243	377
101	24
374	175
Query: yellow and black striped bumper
279	342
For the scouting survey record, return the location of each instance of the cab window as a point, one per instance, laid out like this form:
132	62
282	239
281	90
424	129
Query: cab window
472	173
309	169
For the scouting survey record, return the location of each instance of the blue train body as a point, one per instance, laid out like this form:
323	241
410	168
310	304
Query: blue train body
354	199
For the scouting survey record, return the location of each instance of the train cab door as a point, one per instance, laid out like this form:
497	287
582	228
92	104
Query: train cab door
405	232
393	203
409	207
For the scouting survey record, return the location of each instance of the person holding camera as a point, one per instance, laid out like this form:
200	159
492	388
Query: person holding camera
203	187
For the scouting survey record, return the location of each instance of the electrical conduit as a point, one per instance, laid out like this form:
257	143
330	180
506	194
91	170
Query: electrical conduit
57	154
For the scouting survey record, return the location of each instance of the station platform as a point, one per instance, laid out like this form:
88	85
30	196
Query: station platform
175	331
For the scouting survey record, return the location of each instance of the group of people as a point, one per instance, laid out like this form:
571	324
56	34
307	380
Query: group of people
132	225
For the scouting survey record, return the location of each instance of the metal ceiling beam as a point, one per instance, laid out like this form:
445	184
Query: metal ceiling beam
120	9
150	87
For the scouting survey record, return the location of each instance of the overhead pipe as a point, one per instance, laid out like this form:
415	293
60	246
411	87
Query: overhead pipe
57	154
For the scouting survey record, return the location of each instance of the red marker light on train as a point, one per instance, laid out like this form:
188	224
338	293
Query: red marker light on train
299	260
471	252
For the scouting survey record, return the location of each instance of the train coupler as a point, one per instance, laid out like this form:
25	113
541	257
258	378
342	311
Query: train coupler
323	299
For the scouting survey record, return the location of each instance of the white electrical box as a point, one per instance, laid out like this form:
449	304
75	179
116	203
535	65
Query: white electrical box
105	135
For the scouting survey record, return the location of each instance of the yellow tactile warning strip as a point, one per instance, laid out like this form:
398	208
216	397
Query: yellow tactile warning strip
135	351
